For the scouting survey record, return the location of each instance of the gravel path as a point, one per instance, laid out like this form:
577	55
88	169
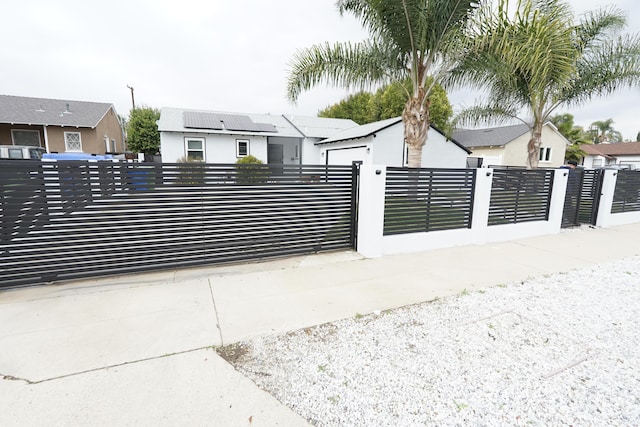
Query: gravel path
562	349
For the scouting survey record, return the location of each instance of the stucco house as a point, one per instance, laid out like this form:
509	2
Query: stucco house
507	145
220	137
60	125
383	143
605	154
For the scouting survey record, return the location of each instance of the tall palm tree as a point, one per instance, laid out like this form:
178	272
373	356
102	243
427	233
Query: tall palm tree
408	39
536	59
605	132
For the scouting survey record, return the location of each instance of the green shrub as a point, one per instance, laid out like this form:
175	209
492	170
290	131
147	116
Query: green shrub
251	170
191	172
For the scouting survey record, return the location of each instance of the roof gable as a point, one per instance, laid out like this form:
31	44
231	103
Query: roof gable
51	112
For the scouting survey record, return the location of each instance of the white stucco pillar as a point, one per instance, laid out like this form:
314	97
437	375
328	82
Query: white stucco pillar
371	210
605	218
558	194
481	202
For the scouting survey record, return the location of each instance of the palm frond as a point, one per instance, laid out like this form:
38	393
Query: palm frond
346	65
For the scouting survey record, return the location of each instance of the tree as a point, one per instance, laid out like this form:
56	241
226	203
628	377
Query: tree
356	107
388	102
142	130
409	39
605	132
574	134
539	59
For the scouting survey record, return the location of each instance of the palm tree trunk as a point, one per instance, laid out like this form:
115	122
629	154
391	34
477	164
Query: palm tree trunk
533	147
416	125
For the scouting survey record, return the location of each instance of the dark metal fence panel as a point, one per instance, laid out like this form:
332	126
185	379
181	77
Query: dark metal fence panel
520	195
572	198
62	221
418	200
590	196
626	196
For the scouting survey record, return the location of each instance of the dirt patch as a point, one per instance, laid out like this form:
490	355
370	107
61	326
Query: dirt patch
232	352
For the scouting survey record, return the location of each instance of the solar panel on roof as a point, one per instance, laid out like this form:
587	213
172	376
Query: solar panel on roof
197	120
234	122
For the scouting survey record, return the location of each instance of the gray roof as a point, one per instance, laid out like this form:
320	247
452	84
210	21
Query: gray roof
369	129
490	137
51	112
172	120
320	127
362	131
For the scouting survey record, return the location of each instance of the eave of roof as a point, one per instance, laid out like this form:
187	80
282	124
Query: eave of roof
362	131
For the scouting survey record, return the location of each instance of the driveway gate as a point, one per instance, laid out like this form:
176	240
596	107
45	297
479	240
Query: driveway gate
64	220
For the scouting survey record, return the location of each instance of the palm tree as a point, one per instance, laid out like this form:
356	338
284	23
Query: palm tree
537	59
408	39
605	131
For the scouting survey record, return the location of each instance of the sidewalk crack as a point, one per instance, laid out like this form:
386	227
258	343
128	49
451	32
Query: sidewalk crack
215	310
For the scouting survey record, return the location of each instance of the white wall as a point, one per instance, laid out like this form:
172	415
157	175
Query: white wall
218	148
387	148
388	145
311	152
439	152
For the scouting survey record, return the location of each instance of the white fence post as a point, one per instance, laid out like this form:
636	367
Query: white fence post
605	218
481	202
558	195
371	210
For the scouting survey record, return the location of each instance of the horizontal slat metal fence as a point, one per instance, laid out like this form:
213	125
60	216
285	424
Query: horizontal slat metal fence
65	220
520	195
626	196
418	200
590	196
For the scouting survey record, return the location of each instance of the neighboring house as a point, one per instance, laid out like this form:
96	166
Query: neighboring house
383	143
507	145
217	137
60	125
605	154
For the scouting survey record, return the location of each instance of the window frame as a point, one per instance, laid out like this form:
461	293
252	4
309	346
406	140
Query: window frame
66	142
187	150
544	155
13	137
238	142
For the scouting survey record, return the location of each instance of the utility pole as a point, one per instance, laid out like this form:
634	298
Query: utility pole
133	101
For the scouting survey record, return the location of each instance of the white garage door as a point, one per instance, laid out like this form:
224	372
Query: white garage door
346	156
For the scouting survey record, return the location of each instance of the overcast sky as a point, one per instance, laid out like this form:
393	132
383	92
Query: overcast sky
223	55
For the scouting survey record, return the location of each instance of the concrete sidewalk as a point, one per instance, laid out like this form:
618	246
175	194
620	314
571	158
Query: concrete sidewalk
137	350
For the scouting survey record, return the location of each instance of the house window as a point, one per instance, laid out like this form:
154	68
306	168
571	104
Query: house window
194	149
26	137
545	154
242	147
72	141
15	153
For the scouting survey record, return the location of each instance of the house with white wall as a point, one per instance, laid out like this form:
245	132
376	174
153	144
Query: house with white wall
219	137
608	154
507	145
383	143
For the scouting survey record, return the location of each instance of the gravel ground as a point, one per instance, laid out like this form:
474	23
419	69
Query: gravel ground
562	349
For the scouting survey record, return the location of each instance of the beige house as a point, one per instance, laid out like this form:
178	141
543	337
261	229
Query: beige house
507	145
60	125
